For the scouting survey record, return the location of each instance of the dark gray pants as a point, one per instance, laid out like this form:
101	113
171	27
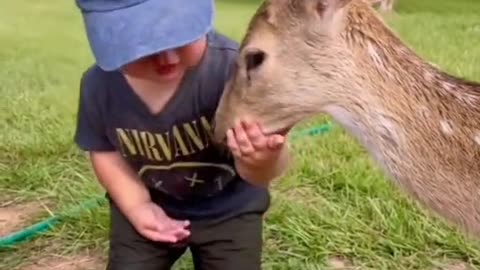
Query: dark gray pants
231	244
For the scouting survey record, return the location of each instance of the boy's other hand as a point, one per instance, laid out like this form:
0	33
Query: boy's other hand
248	144
151	221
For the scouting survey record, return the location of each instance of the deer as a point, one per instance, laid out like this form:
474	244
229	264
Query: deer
421	125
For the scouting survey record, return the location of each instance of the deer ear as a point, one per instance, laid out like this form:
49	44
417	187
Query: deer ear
272	11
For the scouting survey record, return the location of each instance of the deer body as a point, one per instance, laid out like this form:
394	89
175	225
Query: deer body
420	124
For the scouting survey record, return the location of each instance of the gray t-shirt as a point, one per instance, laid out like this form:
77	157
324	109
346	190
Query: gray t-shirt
171	151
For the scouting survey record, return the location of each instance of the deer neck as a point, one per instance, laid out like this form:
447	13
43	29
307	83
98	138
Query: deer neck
421	125
398	99
375	129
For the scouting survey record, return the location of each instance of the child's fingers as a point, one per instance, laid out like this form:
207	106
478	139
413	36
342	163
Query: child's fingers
276	141
181	234
180	223
177	228
232	144
244	145
256	136
185	223
173	228
157	236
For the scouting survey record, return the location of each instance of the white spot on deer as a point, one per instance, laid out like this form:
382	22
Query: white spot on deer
374	55
449	87
388	129
446	127
428	76
476	137
471	100
461	96
468	99
424	111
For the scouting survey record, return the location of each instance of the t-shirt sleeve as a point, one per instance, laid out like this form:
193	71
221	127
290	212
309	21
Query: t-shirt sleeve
90	133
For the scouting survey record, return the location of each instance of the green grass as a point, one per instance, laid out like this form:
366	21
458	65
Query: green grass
334	202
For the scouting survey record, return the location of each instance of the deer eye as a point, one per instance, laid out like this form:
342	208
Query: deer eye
254	59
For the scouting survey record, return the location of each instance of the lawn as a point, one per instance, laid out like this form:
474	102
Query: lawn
334	205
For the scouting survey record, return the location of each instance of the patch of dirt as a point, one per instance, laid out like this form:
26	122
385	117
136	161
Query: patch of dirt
72	262
337	263
454	266
14	216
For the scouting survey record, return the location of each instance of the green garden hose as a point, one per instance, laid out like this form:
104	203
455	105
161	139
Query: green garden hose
47	224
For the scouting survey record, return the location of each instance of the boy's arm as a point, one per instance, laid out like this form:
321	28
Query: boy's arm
133	199
111	170
262	175
121	183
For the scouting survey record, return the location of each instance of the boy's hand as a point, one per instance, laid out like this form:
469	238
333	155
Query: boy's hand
151	221
249	145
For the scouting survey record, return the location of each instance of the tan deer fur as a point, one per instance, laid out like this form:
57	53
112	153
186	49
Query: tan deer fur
301	58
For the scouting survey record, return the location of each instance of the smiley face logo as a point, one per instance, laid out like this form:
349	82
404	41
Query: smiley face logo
188	179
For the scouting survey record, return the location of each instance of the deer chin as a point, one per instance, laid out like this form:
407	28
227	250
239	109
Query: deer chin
284	131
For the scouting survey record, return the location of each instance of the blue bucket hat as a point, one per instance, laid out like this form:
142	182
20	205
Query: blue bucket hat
121	31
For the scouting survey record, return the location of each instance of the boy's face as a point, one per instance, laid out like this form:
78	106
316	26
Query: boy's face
167	66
